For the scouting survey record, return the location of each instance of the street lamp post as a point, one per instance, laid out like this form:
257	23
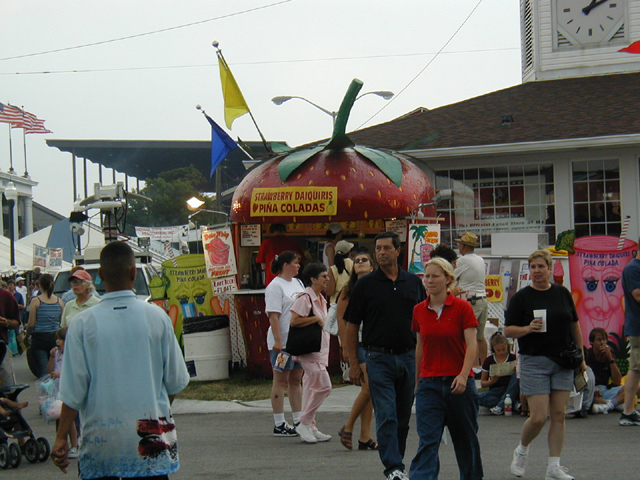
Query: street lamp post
11	194
285	98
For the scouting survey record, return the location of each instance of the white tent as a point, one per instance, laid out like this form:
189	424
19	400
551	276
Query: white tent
24	257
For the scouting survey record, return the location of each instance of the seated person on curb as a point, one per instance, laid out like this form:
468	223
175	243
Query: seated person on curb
608	392
499	386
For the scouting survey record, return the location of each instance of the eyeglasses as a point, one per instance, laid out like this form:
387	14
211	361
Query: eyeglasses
76	281
361	260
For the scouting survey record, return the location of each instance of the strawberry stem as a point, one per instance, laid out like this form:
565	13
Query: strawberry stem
340	140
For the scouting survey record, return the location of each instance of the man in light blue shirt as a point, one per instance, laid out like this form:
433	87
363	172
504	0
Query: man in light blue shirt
122	368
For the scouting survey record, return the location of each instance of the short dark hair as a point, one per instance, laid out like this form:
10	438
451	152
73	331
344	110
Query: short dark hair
392	235
278	227
115	259
11	281
596	331
446	252
312	271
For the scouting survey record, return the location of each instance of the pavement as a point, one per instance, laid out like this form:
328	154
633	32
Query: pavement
233	440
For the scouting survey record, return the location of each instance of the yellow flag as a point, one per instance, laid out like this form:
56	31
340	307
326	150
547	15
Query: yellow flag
234	103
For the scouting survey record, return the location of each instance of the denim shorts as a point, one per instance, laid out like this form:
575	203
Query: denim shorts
290	363
539	375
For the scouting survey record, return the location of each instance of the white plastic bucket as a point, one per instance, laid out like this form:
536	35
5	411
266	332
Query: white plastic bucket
208	354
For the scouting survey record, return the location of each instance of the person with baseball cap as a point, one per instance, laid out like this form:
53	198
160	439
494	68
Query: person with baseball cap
81	286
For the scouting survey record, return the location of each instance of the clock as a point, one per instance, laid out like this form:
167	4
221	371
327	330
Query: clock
589	23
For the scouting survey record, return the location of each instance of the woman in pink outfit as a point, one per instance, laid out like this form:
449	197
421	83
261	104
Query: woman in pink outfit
311	307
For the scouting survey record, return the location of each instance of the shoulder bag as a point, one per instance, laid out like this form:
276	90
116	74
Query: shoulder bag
570	357
303	340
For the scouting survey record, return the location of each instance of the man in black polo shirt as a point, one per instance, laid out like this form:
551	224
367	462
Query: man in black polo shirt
383	303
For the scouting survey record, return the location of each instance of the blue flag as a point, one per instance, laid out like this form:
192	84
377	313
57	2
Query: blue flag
221	144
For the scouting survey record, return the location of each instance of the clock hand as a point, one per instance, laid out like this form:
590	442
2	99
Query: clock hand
592	5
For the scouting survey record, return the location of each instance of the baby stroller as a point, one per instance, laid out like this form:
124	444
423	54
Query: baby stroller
14	427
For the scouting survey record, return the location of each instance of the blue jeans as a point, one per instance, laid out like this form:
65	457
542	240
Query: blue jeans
495	396
391	383
436	407
41	345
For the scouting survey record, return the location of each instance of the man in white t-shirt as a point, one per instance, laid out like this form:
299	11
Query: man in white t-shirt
470	275
122	368
22	288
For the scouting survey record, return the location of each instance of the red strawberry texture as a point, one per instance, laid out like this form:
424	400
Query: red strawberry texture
364	191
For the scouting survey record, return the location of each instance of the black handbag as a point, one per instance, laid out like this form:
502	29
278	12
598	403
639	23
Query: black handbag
303	340
570	358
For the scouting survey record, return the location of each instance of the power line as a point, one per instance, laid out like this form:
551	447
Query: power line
263	62
162	30
423	69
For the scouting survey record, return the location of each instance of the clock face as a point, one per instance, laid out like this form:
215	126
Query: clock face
589	22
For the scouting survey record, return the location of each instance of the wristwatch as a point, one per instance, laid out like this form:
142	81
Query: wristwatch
611	361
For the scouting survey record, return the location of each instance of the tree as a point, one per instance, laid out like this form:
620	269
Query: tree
168	192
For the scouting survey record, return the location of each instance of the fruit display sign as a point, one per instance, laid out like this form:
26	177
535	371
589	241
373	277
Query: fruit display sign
300	201
493	285
219	252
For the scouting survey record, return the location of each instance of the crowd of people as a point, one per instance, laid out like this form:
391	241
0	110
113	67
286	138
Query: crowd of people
406	340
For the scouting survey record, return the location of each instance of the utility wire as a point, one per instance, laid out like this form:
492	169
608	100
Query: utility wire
146	33
423	69
263	62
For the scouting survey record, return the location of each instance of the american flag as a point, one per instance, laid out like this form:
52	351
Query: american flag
30	123
11	114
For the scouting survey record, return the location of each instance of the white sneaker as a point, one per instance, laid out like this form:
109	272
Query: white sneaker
558	473
306	433
73	453
518	463
599	408
321	437
398	474
496	410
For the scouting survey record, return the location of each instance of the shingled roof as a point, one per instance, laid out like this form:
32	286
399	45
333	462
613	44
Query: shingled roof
543	110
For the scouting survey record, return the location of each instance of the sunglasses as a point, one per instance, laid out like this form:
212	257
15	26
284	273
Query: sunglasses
361	260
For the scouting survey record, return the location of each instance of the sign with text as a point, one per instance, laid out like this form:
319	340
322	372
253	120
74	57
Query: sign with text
55	257
423	238
299	201
219	252
162	234
250	235
493	285
40	256
223	285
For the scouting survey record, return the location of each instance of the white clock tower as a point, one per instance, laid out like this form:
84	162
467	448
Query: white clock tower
578	38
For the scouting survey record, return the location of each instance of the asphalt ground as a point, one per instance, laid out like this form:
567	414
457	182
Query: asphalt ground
234	441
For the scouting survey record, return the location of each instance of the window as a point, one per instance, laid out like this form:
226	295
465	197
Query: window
596	198
514	198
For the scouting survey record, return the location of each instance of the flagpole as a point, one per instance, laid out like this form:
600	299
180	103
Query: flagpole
198	107
264	141
24	143
11	170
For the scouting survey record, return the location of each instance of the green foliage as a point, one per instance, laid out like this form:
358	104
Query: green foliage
620	349
169	192
565	241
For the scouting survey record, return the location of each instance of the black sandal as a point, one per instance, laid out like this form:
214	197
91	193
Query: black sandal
368	445
346	438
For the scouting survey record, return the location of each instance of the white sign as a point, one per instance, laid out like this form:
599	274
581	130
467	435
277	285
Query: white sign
219	253
223	285
524	277
423	238
399	227
162	234
250	235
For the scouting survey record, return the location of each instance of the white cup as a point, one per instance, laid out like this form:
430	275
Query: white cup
542	316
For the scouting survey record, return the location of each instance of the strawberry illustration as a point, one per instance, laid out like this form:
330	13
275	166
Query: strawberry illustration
371	183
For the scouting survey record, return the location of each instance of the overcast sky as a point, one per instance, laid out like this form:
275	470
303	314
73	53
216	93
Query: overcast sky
430	53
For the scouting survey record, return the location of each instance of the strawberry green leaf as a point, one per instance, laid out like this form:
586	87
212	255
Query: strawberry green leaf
294	160
388	164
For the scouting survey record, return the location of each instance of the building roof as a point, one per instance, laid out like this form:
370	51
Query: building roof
569	108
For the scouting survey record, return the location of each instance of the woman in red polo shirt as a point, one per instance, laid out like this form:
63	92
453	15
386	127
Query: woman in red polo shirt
446	393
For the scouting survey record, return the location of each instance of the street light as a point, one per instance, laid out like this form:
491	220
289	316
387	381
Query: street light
385	94
11	194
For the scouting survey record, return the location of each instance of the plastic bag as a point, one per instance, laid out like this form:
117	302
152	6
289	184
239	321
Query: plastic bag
50	406
331	323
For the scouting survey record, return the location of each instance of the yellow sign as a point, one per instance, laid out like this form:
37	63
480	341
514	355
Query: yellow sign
493	284
299	201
